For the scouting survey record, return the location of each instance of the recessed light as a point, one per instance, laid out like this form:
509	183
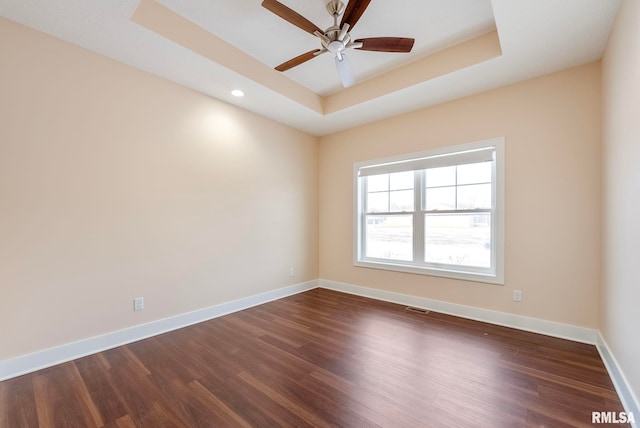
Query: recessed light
237	93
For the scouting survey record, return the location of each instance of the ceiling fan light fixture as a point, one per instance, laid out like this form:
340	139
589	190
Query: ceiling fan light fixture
335	46
345	71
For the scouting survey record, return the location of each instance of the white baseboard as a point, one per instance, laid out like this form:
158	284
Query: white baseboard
60	354
549	328
626	394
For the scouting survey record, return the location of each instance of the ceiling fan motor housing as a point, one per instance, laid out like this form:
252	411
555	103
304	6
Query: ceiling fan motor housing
332	43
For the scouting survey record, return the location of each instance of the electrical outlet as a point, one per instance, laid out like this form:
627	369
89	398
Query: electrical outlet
291	272
138	303
517	295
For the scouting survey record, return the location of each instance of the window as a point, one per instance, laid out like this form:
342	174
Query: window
437	213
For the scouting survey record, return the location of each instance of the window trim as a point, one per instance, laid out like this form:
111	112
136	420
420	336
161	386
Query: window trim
409	267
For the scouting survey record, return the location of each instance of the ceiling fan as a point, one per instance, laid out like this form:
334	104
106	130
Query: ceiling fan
337	38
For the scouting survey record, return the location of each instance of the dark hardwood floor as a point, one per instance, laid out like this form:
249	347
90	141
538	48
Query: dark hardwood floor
321	359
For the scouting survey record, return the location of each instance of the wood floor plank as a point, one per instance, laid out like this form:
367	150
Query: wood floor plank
61	398
227	416
322	358
125	422
292	405
244	400
82	395
100	385
377	405
137	392
17	404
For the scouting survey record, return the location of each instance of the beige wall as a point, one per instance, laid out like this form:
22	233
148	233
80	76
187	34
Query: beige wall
115	184
552	131
620	314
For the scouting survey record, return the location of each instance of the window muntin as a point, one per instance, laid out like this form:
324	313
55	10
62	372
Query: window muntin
440	219
390	192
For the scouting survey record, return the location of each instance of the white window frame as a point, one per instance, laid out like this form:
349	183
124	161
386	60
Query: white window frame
493	275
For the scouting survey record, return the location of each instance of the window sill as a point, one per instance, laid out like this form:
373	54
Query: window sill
453	274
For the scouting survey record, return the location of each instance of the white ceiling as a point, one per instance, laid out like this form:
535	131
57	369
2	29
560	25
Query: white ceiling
537	37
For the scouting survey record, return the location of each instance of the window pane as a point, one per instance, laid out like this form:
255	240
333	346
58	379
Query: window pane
378	183
401	200
401	180
458	239
441	198
474	196
474	173
436	177
378	202
389	237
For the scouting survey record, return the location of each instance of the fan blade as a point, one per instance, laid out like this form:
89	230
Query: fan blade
386	44
291	16
298	60
345	71
353	12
